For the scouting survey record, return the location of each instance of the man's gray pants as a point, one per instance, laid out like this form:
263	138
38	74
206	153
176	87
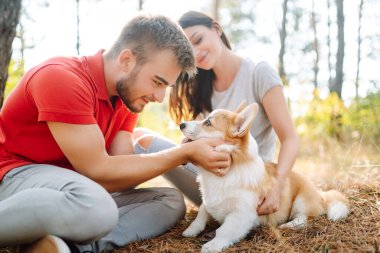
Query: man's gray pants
37	200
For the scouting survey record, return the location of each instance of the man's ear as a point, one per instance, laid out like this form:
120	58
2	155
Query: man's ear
126	60
244	120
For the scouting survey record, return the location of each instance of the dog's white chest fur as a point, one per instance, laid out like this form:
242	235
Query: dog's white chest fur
233	192
230	200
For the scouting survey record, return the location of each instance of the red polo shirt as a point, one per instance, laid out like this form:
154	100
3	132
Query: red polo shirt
69	90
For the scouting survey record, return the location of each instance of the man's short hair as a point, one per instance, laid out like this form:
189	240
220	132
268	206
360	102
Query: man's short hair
145	34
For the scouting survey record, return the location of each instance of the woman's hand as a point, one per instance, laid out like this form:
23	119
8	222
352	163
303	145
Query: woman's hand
270	203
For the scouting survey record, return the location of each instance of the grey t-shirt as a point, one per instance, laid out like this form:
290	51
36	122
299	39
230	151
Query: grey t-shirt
251	84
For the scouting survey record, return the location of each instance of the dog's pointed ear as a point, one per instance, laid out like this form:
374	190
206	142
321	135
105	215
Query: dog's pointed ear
200	117
242	105
244	120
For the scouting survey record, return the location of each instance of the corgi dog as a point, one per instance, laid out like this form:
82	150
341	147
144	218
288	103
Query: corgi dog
233	199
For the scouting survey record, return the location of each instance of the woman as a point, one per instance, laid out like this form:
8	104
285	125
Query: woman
225	79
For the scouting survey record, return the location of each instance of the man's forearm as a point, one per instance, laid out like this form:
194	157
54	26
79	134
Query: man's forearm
117	173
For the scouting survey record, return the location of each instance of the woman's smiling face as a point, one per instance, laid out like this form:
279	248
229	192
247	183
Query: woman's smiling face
207	45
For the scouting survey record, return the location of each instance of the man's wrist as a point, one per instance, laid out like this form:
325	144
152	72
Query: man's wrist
185	153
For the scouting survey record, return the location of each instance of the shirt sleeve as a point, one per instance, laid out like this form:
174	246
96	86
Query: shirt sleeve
61	95
265	78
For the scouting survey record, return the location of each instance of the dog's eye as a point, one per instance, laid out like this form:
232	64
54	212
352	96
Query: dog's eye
207	122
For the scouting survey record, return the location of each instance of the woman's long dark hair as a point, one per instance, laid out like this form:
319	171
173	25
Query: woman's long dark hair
190	97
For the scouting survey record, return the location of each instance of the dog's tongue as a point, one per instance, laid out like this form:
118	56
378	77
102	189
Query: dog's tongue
186	139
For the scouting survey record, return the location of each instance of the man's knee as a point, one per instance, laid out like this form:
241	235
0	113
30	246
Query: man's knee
94	215
175	201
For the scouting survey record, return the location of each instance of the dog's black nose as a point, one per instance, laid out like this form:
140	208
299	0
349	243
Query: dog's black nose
182	126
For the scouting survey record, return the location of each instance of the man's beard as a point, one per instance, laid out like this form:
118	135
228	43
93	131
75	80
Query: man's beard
124	89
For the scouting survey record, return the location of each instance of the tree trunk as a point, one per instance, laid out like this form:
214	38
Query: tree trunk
20	36
359	50
216	10
315	46
78	28
281	69
329	44
141	5
338	82
9	18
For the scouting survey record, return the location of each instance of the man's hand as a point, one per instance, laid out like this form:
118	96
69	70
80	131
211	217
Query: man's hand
202	152
270	203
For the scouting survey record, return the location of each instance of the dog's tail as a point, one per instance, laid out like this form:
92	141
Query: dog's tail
336	205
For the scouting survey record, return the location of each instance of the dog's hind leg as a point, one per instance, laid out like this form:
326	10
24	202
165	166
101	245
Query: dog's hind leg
235	227
199	224
298	215
298	221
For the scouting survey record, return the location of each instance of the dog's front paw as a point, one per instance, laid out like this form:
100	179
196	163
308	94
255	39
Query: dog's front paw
215	245
192	231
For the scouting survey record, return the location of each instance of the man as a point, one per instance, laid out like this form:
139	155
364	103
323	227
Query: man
66	144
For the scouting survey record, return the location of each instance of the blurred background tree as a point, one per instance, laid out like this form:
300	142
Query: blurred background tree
9	19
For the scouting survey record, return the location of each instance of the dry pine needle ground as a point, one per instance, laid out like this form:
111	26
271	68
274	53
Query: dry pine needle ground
360	232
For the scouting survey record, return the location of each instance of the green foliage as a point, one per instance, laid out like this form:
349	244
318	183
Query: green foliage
364	117
156	117
15	72
329	117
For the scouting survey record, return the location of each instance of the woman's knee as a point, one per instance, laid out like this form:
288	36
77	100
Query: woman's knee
145	140
143	137
141	131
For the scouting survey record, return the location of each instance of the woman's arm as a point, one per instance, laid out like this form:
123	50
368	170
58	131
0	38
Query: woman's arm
277	110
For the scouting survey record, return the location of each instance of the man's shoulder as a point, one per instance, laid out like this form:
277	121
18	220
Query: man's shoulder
61	60
58	70
59	64
59	76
